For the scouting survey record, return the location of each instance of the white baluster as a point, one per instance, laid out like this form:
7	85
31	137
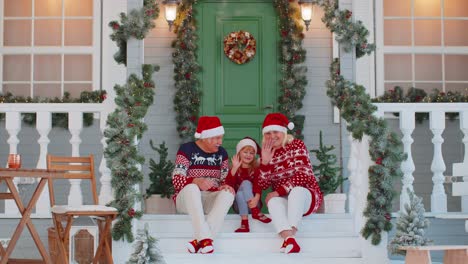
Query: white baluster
407	127
43	126
438	196
13	126
75	125
353	179
105	196
464	129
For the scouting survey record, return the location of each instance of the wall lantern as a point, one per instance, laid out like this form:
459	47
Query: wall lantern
170	7
307	10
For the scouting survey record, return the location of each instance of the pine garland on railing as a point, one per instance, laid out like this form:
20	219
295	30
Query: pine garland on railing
125	125
136	25
58	119
385	147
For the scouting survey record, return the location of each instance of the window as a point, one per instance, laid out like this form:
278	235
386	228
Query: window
422	44
49	47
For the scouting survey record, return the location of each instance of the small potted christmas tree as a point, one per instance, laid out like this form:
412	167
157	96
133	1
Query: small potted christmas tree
160	191
329	179
410	226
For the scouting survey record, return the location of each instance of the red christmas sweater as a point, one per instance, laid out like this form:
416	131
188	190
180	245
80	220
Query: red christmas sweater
241	175
290	167
192	162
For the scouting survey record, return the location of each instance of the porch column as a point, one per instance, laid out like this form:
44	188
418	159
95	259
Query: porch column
75	125
438	196
13	126
407	125
43	126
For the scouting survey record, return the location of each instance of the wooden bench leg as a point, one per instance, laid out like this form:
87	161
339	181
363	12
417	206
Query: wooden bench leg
456	256
418	257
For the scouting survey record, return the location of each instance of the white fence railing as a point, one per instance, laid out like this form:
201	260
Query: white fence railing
437	121
43	126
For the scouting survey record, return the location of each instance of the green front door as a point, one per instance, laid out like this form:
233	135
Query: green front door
240	95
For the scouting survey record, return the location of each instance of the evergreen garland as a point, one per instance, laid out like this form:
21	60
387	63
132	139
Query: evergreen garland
125	125
293	80
410	226
136	25
145	251
58	119
188	95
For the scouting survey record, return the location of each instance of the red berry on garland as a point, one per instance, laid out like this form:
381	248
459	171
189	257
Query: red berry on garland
183	128
187	76
379	161
298	132
284	33
103	96
388	217
115	26
338	72
137	103
147	85
296	57
193	118
131	212
130	125
183	46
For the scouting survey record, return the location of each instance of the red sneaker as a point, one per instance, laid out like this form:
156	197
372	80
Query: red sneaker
193	246
291	246
206	246
244	228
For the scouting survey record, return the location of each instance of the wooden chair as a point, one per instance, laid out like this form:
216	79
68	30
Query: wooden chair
79	168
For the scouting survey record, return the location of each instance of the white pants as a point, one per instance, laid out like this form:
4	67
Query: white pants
286	212
196	204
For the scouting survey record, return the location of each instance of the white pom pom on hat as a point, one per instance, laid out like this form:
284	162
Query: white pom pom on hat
276	122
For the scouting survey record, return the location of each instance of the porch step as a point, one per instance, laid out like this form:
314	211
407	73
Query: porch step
327	237
276	258
316	223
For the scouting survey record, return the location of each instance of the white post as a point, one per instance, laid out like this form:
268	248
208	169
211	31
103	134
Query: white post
13	126
75	125
438	196
407	125
105	195
463	167
43	126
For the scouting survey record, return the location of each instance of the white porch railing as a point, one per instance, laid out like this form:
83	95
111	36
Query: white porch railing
43	127
437	123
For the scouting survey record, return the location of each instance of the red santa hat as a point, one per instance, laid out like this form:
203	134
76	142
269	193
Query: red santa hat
209	126
276	122
247	141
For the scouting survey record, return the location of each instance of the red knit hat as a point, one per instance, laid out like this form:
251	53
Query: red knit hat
276	122
248	141
209	126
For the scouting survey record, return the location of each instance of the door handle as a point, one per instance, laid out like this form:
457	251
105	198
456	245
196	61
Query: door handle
268	107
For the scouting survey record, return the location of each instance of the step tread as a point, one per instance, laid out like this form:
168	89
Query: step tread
260	235
148	217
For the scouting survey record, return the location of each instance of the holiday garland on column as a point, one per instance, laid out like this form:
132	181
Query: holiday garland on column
385	147
188	95
125	125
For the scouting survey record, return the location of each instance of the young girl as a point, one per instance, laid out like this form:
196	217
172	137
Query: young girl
242	177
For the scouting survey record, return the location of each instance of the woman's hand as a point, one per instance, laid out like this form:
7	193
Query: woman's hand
254	201
203	184
236	163
267	151
271	195
228	188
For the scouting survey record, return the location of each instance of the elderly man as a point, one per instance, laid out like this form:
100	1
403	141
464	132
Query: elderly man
198	178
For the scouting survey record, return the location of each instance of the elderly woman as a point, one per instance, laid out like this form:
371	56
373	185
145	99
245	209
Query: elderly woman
199	182
285	166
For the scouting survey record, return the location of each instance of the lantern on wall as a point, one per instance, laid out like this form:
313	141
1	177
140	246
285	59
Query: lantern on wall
170	7
307	10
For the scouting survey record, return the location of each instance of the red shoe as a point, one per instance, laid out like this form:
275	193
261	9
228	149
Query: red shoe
244	228
206	246
256	214
291	246
193	246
